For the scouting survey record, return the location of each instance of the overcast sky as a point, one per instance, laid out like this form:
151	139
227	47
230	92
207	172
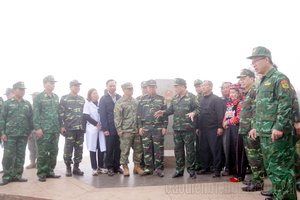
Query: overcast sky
93	41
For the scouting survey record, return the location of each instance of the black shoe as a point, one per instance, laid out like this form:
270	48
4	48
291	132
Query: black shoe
68	172
298	187
78	172
247	182
266	193
4	182
177	174
53	176
204	171
118	171
160	173
253	187
19	180
216	175
193	175
42	178
146	173
110	172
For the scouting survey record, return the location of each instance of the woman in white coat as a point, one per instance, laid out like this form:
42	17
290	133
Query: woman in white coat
95	139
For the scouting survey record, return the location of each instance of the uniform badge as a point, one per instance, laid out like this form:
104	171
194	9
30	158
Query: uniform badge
268	83
285	84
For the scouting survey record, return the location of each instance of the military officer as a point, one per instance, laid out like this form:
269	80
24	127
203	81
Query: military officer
184	107
152	130
273	124
47	124
71	109
16	129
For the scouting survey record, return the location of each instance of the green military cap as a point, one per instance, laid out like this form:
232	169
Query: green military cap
179	81
197	82
19	85
74	82
8	91
151	82
246	72
49	78
127	85
260	52
34	94
144	84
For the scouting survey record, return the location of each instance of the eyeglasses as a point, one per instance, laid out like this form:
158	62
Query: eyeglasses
255	61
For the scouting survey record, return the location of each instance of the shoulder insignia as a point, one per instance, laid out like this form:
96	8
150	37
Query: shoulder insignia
285	84
268	83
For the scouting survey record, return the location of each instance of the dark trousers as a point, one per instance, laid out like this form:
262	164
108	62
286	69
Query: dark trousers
97	157
211	143
112	159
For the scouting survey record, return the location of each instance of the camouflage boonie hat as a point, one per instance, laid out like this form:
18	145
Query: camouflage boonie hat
260	52
49	79
246	72
74	82
151	82
34	94
197	82
179	81
8	91
127	85
144	84
19	85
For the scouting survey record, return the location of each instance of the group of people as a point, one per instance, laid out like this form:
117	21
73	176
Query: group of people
248	126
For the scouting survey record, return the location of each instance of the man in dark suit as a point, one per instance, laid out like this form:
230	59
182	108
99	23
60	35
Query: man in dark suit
106	111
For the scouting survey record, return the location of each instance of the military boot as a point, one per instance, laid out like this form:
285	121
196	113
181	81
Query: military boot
31	165
76	170
137	169
126	170
68	170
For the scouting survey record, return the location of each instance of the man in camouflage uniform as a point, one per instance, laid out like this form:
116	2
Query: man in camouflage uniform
71	108
152	130
144	92
184	106
198	89
273	124
16	127
252	147
125	118
46	124
32	145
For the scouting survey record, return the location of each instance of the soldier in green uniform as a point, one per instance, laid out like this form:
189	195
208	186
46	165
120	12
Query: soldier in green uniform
47	126
274	125
71	108
252	147
16	128
152	130
125	118
184	106
198	89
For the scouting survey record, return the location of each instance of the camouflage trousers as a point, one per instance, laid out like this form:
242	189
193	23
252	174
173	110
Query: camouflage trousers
132	140
73	141
47	153
198	164
280	165
153	146
184	139
13	157
32	147
255	158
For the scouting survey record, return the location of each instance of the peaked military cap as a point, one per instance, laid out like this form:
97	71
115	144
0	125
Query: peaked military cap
144	84
260	52
151	82
197	82
74	82
8	91
246	72
19	85
179	81
49	78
